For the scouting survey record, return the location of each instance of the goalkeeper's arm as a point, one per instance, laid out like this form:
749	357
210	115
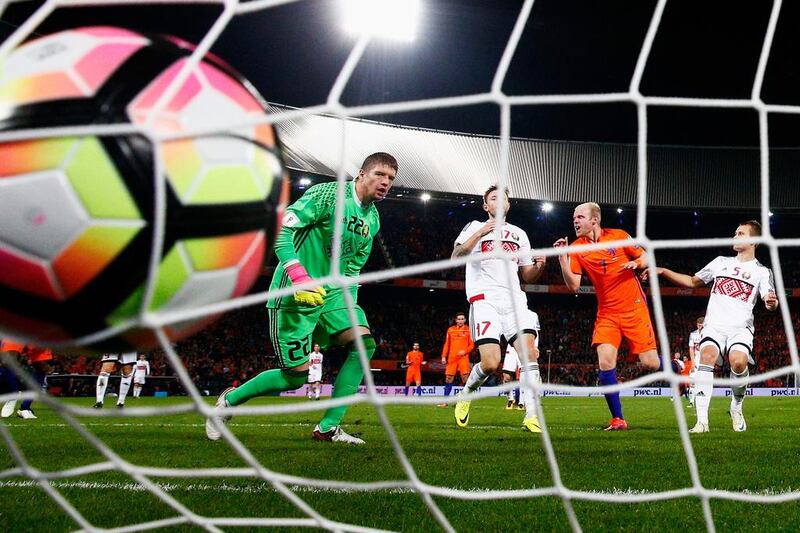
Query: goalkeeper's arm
284	249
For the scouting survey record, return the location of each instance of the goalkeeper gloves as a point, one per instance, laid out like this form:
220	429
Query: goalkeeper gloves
298	274
311	297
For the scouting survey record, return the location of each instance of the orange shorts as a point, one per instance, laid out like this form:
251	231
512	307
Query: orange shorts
9	346
38	355
458	364
634	325
413	375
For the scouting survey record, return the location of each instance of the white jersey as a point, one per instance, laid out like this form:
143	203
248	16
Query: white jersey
141	368
487	277
694	341
736	287
315	364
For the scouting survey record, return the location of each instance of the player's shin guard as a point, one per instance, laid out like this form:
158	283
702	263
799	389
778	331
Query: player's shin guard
124	387
476	378
609	377
704	390
100	390
267	382
529	376
738	391
347	382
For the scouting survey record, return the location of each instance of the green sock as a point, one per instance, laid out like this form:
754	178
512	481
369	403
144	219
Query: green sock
347	382
275	380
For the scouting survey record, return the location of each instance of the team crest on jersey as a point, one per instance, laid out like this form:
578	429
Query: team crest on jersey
612	251
733	288
745	275
365	230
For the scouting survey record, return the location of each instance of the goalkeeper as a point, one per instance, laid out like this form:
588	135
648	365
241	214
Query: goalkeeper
318	315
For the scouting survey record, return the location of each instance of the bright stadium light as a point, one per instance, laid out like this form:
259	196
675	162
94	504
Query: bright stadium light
619	210
547	207
305	182
424	197
385	19
771	213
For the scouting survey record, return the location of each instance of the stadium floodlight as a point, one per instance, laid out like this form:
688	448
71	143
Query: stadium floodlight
771	213
619	210
305	182
366	15
424	197
547	207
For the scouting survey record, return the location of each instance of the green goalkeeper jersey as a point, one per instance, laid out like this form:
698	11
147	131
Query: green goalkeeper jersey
307	236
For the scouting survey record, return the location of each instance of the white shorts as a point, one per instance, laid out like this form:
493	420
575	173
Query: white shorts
139	380
726	339
489	320
313	377
121	358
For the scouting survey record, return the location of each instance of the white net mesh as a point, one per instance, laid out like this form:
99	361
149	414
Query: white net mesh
286	485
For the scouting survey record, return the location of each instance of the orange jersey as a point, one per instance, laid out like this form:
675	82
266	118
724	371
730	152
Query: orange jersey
687	367
458	339
414	359
617	290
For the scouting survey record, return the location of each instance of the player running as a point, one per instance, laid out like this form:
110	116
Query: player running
315	373
728	326
414	362
455	354
621	305
498	308
319	314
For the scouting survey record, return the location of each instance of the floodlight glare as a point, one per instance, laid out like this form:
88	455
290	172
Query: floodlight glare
619	210
424	197
384	19
305	182
547	207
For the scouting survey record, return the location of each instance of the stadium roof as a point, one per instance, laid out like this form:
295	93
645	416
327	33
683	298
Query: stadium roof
546	170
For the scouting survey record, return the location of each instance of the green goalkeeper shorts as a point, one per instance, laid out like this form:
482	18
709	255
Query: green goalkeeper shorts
294	330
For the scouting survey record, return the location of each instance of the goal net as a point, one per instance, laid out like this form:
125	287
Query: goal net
300	490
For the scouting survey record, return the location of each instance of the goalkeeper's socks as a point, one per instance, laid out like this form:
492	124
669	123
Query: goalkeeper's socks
516	395
419	391
448	388
347	382
405	391
704	390
102	383
476	378
267	382
738	391
609	377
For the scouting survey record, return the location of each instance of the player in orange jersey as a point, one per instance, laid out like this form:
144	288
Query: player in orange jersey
621	304
414	362
455	353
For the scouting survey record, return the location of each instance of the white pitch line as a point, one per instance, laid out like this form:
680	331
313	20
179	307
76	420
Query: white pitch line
260	488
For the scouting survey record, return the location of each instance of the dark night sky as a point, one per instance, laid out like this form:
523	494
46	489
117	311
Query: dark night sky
708	49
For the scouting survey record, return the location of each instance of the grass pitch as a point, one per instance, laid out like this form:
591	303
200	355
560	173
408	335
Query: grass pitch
493	453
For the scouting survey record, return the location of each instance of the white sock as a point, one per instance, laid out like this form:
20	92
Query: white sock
137	390
510	394
476	378
102	383
738	391
124	387
705	388
529	376
316	393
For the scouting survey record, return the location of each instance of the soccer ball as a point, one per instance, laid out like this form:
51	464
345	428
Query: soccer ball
83	218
